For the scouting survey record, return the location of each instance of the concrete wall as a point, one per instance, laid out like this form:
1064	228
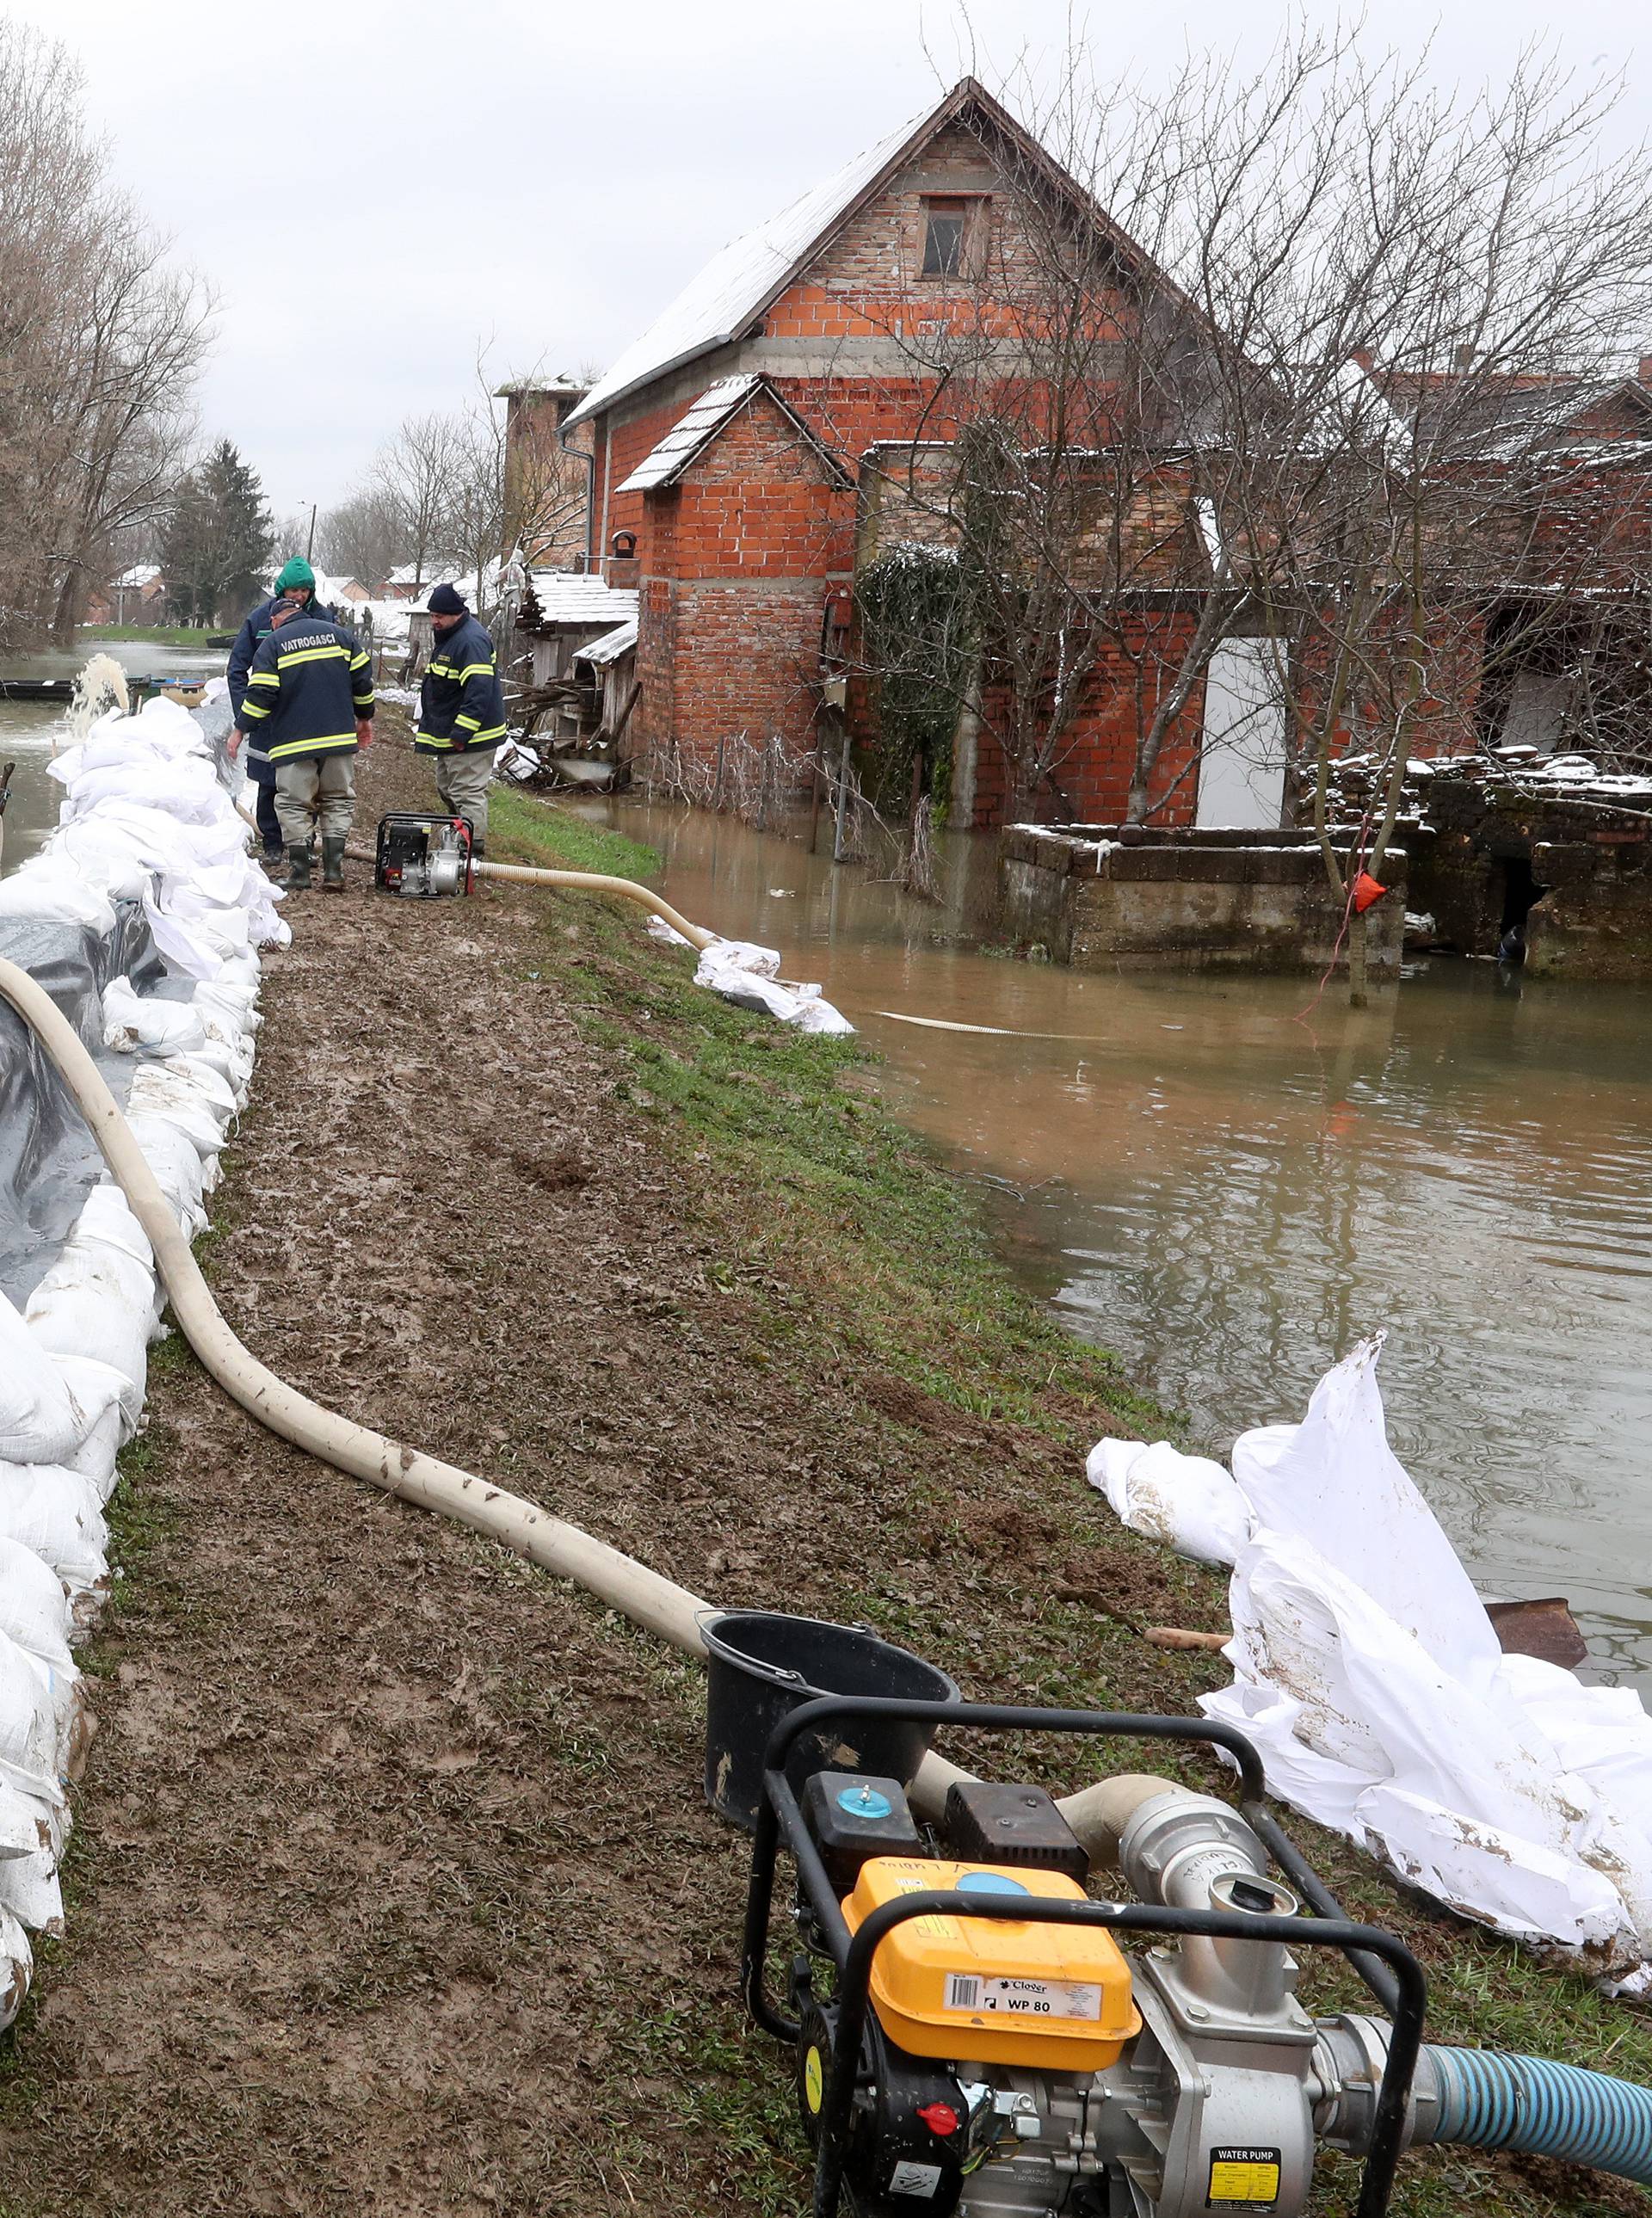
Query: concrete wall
1595	920
1104	896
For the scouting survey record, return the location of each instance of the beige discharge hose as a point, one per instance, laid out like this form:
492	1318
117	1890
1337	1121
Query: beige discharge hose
591	882
1096	1814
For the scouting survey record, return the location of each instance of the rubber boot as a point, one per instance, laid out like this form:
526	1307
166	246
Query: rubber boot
332	865
298	868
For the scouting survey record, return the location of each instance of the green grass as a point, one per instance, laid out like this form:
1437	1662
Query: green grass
159	635
525	830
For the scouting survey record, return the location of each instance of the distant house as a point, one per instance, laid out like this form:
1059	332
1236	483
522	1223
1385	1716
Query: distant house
334	592
137	596
547	473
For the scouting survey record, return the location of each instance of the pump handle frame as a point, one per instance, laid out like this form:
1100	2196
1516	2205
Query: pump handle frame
1386	1965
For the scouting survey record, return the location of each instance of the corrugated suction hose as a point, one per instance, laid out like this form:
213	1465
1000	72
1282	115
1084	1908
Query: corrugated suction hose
1539	2108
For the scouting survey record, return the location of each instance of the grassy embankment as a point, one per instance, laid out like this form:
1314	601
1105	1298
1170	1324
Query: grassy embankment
897	1267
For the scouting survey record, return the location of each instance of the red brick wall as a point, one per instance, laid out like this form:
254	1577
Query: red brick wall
1089	782
736	560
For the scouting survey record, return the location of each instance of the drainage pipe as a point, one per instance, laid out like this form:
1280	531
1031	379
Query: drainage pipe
1538	2108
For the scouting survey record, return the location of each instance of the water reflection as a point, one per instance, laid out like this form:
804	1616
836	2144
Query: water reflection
1228	1196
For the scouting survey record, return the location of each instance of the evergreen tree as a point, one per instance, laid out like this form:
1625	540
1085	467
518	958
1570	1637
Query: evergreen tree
216	549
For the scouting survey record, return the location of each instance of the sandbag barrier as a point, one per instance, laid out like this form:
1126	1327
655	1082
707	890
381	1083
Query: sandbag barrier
140	920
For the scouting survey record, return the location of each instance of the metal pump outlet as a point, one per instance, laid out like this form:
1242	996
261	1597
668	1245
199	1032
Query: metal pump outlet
970	2037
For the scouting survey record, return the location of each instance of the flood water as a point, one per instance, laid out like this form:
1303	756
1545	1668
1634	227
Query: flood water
28	727
1230	1197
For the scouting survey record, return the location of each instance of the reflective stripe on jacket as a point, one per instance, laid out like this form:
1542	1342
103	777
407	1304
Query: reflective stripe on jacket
251	637
309	682
461	701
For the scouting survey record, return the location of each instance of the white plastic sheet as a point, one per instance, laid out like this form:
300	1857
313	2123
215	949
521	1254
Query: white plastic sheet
1370	1679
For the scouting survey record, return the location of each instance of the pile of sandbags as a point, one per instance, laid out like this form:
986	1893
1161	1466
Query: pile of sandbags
146	823
1372	1681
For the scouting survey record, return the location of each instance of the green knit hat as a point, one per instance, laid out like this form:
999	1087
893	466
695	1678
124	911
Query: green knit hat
296	572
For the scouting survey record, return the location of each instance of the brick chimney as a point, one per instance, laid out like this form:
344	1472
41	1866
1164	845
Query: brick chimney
1646	369
622	567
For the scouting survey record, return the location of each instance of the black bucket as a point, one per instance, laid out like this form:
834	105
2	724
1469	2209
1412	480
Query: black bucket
764	1664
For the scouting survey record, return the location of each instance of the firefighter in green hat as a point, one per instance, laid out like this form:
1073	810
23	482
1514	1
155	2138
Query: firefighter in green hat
295	582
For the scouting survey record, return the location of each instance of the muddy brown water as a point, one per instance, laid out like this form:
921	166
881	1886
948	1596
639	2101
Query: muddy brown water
1228	1193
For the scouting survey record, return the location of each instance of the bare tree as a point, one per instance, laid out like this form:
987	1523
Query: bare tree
100	346
418	472
364	537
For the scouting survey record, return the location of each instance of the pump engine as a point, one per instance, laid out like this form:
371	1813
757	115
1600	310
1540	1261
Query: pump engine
1011	2059
423	856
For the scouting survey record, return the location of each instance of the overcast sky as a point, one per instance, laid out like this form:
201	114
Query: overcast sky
377	189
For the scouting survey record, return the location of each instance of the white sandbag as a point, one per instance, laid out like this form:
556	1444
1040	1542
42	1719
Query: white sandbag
724	955
58	1514
132	1021
658	929
176	1161
1188	1502
94	1460
105	858
817	1015
28	1724
39	1422
98	1300
1364	1676
48	891
33	1609
16	1968
198	1111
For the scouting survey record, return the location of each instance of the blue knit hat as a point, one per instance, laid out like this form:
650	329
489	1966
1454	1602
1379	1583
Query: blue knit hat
446	601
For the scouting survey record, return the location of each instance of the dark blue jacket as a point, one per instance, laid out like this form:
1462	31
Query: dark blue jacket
461	701
251	637
309	682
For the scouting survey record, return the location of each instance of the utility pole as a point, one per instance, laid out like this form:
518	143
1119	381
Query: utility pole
309	547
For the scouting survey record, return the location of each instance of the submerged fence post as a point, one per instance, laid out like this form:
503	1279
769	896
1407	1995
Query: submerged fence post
837	855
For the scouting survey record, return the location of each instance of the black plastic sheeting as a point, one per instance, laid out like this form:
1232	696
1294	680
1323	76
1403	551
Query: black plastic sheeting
47	1157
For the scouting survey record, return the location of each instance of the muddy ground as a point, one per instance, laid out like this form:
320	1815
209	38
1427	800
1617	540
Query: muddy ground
393	1889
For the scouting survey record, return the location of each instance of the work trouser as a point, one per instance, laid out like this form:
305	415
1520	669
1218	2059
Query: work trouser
462	779
308	786
261	776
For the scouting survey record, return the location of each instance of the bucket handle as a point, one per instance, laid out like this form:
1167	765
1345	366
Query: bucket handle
779	1674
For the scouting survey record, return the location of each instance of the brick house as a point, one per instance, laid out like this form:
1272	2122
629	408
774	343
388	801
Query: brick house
742	450
736	446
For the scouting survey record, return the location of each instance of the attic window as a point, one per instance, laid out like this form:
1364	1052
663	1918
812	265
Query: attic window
952	232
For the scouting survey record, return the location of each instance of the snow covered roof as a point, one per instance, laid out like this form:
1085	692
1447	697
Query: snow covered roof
141	574
690	433
610	646
693	433
738	283
579	597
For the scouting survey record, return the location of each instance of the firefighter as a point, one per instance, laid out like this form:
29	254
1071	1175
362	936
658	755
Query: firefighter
309	699
296	583
460	711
